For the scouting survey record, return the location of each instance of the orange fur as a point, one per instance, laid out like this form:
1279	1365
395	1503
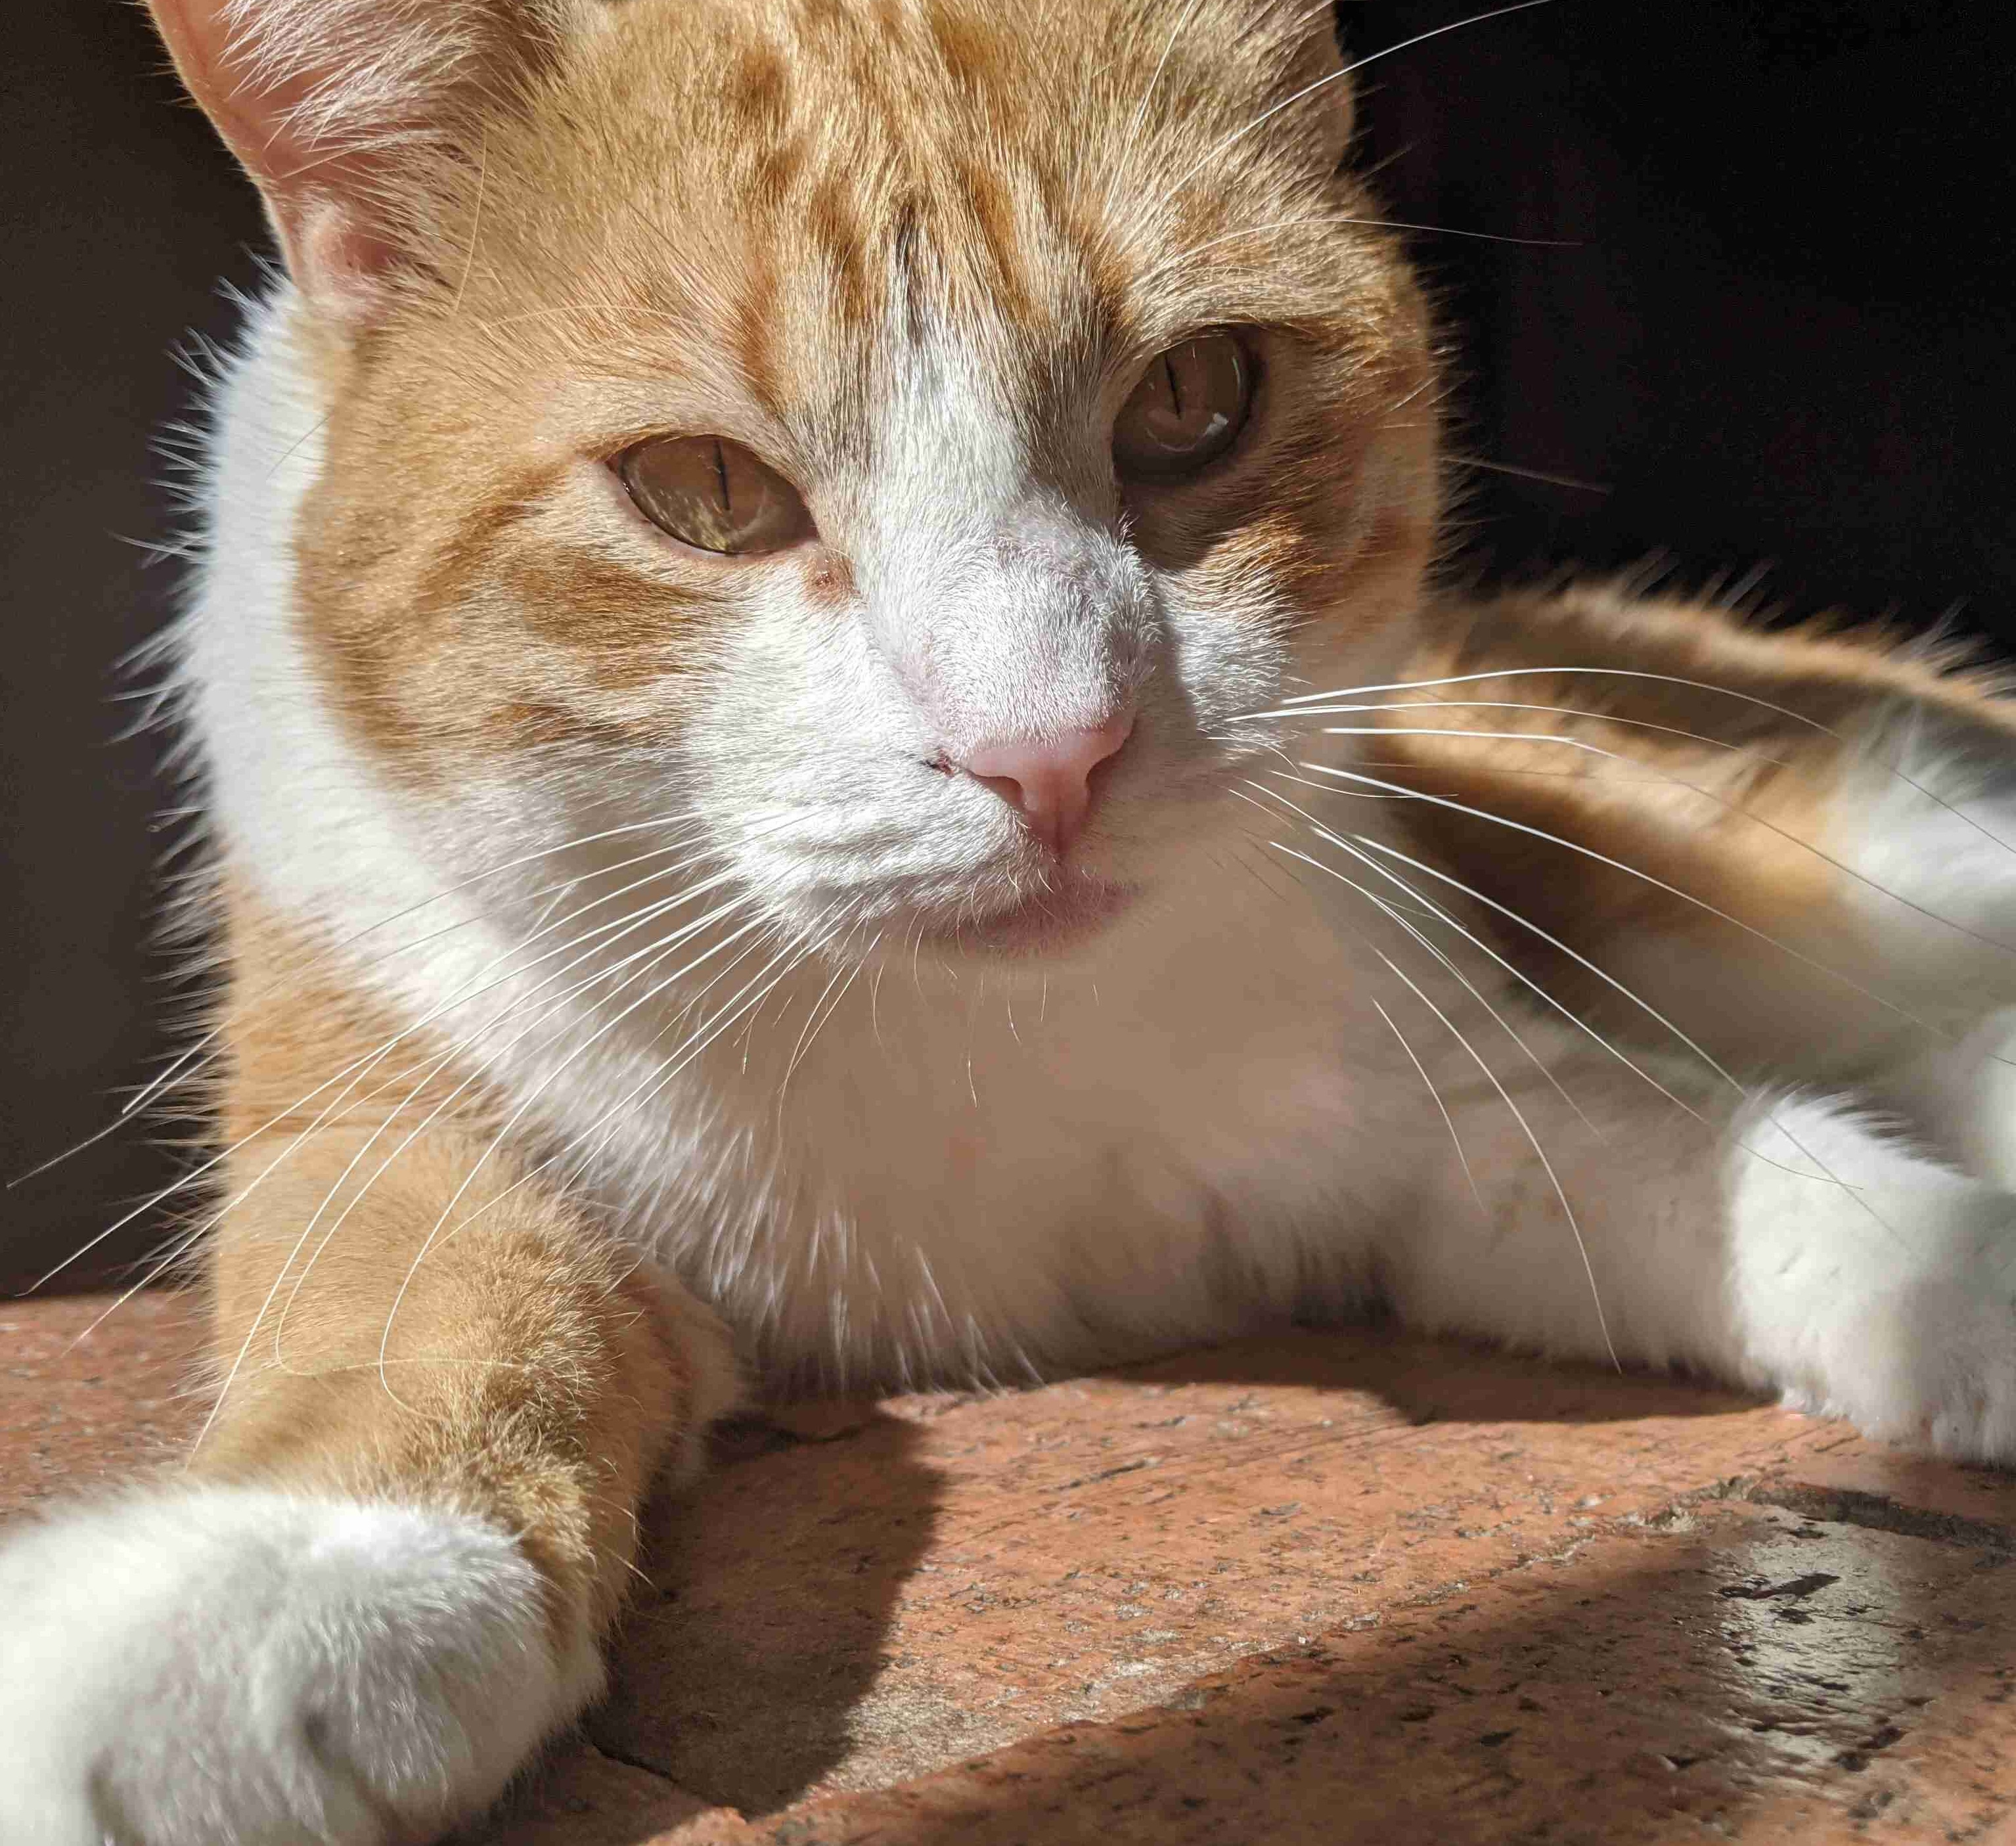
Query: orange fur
1720	788
552	271
521	266
546	273
451	581
501	1357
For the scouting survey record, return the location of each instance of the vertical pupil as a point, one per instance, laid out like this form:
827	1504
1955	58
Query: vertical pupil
1185	409
721	471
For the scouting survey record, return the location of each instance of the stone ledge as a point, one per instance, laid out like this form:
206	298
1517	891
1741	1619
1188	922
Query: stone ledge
1330	1587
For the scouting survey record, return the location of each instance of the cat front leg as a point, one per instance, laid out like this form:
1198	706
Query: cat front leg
1794	1244
386	1574
1868	1280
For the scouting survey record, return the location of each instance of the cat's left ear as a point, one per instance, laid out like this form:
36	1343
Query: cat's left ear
344	111
1318	72
1284	61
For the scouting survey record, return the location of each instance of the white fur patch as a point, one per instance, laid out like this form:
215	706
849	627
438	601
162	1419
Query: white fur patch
219	1666
924	1199
1869	1281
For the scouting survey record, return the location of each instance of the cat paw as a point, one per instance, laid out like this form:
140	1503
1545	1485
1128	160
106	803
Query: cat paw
1932	1368
1871	1281
1919	1353
230	1667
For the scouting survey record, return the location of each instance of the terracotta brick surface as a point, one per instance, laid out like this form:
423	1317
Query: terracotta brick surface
92	1391
958	1573
578	1796
1328	1588
1742	1674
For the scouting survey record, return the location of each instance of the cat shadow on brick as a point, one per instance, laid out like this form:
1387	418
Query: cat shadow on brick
1445	1381
772	1588
1747	1672
753	1671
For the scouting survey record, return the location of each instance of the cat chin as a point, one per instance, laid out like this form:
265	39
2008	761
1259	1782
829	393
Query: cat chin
1069	917
1052	926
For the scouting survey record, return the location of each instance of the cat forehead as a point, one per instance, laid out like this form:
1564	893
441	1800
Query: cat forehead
932	60
765	187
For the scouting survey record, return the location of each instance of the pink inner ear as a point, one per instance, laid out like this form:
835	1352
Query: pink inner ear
320	198
332	251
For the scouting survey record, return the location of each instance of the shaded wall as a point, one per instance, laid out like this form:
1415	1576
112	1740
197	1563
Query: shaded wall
1784	339
121	216
1787	338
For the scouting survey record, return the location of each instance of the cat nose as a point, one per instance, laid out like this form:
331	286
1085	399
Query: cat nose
1048	780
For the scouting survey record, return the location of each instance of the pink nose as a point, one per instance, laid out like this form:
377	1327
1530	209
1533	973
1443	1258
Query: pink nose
1048	781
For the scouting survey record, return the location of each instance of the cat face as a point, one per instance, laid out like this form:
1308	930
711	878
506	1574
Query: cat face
899	438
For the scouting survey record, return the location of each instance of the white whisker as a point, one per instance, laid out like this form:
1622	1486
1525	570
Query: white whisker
1449	1120
518	1115
1443	916
1651	1012
736	1007
648	958
1300	703
1469	987
1133	141
369	1060
299	1141
1539	474
1376	224
1671	780
1518	1115
194	1057
816	1024
1634	872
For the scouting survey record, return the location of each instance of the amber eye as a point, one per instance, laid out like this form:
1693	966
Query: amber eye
713	494
1187	410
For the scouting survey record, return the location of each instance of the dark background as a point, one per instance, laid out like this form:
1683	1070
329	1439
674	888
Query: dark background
1783	344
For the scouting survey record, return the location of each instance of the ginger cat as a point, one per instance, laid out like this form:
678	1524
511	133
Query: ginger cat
833	760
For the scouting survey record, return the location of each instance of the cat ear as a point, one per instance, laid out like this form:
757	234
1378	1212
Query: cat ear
1319	71
339	109
1285	61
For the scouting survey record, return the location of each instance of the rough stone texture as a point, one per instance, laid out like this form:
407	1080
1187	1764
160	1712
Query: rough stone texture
580	1798
961	1572
92	1391
1745	1674
1329	1588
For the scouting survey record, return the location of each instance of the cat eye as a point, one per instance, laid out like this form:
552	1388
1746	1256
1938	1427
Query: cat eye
713	494
1187	410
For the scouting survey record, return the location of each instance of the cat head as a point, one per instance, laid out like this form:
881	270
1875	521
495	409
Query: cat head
899	439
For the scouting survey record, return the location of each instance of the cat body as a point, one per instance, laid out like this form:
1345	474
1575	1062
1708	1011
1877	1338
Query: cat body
831	761
1194	1125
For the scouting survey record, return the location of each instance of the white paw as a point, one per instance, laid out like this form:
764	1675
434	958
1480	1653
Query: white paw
1932	1366
1871	1282
228	1666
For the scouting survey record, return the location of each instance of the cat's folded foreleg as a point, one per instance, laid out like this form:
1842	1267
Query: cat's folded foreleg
1868	1280
385	1573
1798	1244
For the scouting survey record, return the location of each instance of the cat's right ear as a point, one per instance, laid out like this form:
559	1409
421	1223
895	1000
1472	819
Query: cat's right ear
340	109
